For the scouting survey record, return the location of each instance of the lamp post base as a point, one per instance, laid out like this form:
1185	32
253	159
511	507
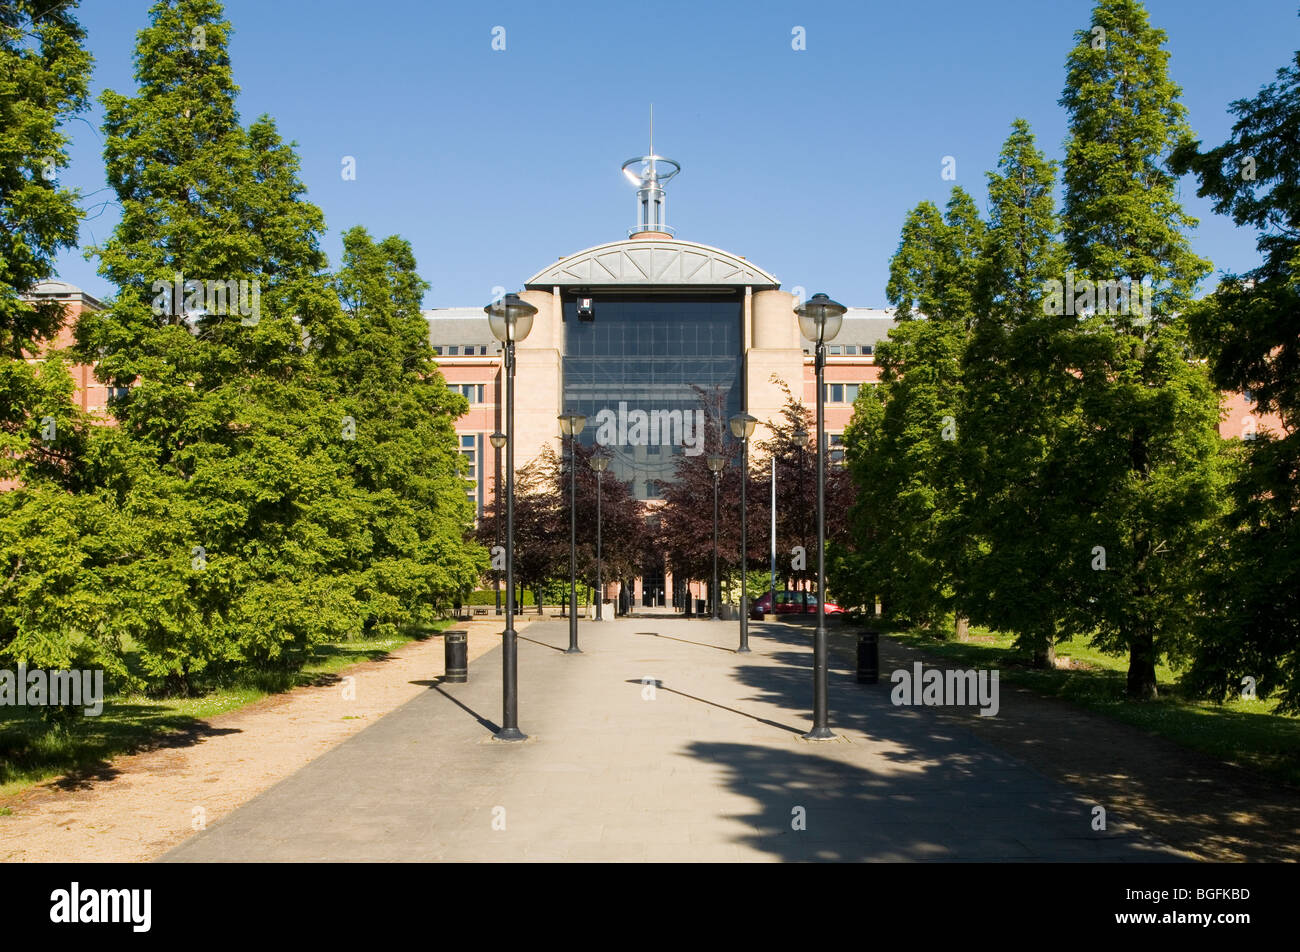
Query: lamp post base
819	733
743	649
573	650
510	734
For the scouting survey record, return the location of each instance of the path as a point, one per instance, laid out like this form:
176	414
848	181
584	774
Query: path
708	765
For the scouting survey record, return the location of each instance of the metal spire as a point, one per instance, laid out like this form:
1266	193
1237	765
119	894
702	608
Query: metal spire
649	177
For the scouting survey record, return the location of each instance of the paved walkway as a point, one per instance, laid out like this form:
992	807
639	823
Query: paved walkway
707	766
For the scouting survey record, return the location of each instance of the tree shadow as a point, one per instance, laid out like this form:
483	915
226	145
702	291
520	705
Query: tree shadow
810	807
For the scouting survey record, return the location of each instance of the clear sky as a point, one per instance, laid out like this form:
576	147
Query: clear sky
495	163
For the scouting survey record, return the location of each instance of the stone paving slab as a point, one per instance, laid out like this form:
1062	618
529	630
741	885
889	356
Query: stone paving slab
708	765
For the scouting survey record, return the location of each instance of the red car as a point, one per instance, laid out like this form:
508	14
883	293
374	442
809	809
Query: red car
788	603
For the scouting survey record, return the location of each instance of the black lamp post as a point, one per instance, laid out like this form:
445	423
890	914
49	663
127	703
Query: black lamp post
819	320
571	425
498	441
599	462
510	319
742	428
715	462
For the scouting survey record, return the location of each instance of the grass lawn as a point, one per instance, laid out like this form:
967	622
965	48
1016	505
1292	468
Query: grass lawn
1249	733
33	750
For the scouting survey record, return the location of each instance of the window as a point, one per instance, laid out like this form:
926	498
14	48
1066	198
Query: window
836	350
1248	396
471	449
850	392
834	393
473	392
851	349
437	350
835	448
453	351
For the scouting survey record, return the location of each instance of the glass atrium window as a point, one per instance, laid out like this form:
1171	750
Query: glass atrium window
646	371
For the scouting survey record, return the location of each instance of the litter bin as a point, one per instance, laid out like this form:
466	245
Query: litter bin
868	656
455	660
700	606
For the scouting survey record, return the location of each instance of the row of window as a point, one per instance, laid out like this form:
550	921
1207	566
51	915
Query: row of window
848	350
460	350
473	392
841	392
697	346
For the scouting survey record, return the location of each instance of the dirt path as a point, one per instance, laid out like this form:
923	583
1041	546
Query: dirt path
144	804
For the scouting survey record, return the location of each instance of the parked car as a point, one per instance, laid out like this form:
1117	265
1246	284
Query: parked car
788	602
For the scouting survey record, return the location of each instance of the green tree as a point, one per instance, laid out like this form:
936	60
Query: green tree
46	616
398	417
1248	329
44	72
223	455
1016	412
902	445
1146	430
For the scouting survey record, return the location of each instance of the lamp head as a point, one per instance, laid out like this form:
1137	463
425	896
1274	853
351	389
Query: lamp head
571	424
498	439
742	426
715	462
510	318
599	462
820	318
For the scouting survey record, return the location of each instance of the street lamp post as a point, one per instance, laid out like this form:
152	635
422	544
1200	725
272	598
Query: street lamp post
510	318
571	425
599	462
498	441
819	320
715	462
742	428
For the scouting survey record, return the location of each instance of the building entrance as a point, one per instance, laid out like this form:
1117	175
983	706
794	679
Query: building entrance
652	586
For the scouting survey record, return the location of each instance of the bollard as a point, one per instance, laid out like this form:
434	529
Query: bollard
868	656
455	657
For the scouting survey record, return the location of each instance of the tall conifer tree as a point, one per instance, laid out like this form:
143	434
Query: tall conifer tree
1146	428
1250	332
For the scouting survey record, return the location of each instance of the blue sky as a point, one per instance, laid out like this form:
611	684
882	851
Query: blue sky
495	163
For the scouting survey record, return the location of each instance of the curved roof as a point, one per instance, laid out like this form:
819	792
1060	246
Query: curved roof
664	262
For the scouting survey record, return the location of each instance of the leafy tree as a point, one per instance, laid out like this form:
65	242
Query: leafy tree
47	618
1248	329
902	444
224	452
1014	419
792	443
44	72
397	417
542	523
1147	413
541	531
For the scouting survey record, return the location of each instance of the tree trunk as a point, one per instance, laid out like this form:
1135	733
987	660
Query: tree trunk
1043	655
1142	669
963	627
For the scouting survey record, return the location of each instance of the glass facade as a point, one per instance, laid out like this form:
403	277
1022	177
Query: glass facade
650	372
